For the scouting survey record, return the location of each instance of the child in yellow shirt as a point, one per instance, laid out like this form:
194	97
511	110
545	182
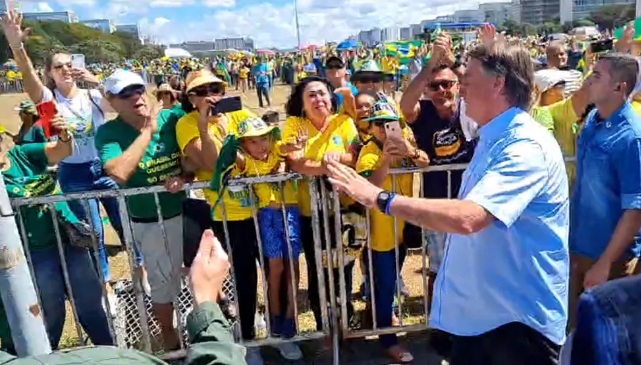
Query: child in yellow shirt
375	159
262	153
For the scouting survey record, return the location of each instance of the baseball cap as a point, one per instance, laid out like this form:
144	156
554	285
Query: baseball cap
548	78
27	106
120	79
382	111
253	127
335	60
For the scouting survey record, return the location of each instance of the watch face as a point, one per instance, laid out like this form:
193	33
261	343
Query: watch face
383	197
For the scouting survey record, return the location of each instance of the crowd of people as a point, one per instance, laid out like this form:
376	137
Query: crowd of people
513	240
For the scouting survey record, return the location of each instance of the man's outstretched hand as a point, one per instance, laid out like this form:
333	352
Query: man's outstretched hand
209	269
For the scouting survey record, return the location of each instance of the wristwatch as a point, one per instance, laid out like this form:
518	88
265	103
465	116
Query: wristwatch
382	200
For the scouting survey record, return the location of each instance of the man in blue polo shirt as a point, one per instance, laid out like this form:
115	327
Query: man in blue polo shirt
606	204
502	288
261	72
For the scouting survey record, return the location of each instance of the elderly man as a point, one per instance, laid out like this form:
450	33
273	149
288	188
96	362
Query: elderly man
557	58
606	204
502	288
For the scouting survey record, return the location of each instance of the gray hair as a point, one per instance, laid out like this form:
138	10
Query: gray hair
623	68
514	64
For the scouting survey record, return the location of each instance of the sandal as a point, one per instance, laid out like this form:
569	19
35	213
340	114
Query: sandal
399	355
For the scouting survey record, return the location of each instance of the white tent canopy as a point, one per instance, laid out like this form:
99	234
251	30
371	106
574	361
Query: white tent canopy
177	53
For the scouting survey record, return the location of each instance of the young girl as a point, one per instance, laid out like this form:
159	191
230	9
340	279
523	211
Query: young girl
261	154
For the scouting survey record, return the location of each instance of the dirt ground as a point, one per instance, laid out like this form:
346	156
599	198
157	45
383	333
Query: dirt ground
356	351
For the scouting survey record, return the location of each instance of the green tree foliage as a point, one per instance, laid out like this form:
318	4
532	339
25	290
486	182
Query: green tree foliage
613	16
48	37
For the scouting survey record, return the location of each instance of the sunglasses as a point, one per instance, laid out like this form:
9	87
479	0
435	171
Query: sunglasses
445	85
207	89
61	65
334	66
369	79
130	91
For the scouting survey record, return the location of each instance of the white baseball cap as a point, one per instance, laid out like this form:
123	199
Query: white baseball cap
548	78
121	79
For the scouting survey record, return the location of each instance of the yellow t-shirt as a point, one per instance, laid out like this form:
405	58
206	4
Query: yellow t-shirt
268	193
636	105
237	201
381	224
11	75
243	72
339	136
565	131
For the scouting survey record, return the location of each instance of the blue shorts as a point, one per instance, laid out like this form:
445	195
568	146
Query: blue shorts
272	232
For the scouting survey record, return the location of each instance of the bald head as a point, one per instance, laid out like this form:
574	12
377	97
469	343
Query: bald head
556	54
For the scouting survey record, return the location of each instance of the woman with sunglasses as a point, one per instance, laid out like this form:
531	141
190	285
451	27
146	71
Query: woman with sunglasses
200	134
84	112
139	149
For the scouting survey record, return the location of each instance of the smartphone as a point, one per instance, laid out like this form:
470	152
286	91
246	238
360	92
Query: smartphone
78	60
47	111
602	46
227	105
393	130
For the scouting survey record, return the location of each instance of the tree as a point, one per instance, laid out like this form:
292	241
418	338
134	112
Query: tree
612	16
511	27
49	37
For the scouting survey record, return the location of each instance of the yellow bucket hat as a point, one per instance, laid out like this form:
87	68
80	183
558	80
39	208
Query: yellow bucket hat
202	77
253	127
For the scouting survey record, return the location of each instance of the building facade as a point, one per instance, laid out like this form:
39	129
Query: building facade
64	16
496	13
129	28
539	11
581	9
390	34
103	25
246	44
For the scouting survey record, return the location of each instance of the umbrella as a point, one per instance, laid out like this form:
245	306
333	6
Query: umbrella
347	45
177	53
265	52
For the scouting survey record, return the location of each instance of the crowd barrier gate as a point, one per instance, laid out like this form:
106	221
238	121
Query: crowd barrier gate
134	325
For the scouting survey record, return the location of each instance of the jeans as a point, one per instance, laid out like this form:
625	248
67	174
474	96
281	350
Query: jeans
262	90
87	292
86	177
402	254
384	267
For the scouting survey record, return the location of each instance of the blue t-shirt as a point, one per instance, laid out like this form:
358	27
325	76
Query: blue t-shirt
261	71
339	97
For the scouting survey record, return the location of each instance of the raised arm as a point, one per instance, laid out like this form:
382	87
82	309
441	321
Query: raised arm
12	26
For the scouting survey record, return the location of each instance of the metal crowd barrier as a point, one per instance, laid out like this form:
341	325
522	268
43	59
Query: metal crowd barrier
134	325
11	87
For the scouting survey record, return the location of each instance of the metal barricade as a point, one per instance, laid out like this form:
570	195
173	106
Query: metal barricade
134	324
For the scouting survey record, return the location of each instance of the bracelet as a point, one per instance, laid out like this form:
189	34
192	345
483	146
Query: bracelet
64	140
19	46
389	203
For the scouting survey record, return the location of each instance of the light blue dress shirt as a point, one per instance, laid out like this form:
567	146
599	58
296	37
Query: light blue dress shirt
517	268
608	180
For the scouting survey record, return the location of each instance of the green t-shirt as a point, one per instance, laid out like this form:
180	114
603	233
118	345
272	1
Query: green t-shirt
35	134
27	176
161	161
178	111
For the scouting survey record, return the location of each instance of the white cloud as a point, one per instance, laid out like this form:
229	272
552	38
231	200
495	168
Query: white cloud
34	7
219	3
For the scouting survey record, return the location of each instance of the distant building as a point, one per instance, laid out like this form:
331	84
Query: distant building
406	33
516	11
581	9
64	16
246	44
390	34
496	13
129	28
103	25
195	47
3	6
539	11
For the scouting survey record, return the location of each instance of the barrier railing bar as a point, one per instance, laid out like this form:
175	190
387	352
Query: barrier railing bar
397	270
318	253
292	271
338	236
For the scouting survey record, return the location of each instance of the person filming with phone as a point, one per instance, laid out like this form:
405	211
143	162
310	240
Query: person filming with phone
390	147
84	112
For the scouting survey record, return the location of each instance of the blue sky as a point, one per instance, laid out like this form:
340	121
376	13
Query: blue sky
270	23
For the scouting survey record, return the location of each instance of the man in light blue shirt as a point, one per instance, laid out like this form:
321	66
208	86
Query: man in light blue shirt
606	204
502	289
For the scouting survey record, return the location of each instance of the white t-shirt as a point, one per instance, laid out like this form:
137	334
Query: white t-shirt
83	118
468	125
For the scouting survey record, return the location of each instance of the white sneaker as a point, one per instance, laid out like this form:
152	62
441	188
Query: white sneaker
253	356
290	351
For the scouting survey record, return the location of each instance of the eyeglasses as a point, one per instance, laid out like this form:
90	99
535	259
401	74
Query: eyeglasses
205	90
444	84
130	91
61	65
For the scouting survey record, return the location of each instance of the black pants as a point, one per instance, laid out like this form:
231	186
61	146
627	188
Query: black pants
244	246
511	344
307	236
